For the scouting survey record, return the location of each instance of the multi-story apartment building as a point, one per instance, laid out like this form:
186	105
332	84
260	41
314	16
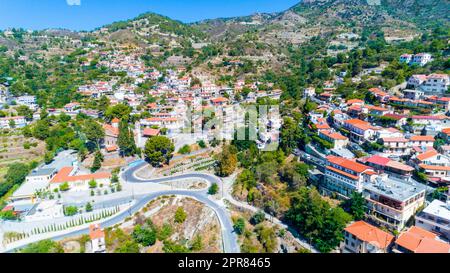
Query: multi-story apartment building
344	176
391	201
396	146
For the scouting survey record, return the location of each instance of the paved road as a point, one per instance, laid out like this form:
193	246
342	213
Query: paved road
229	237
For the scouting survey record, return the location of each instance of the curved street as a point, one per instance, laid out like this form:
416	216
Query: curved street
229	237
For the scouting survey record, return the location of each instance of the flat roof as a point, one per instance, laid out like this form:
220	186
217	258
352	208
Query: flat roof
41	172
396	189
439	209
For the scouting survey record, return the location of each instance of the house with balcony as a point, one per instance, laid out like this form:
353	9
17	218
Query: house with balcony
421	141
435	165
435	218
361	237
359	130
344	176
398	146
391	202
339	141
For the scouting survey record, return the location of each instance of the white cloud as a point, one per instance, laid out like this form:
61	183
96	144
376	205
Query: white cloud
73	2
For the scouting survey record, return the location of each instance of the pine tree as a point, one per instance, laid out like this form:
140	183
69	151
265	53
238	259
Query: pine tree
97	164
126	141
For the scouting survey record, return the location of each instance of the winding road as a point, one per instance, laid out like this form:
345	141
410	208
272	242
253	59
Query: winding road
229	237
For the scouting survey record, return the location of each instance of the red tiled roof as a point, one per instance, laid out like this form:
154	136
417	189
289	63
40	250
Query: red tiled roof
348	164
427	154
95	232
419	240
422	138
151	132
64	176
378	160
360	124
395	139
368	233
111	130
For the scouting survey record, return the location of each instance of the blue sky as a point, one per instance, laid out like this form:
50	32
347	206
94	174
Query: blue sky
90	14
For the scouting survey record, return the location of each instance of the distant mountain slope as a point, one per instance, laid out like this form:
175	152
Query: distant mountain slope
313	17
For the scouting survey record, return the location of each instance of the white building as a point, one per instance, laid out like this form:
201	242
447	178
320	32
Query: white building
45	210
97	236
392	202
421	59
361	237
435	218
12	122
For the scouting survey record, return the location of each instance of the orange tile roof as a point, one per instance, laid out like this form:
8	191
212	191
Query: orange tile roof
112	148
111	130
354	177
348	164
333	135
368	233
218	100
434	167
64	176
394	139
151	132
353	101
400	166
422	138
427	154
95	232
446	131
419	240
360	124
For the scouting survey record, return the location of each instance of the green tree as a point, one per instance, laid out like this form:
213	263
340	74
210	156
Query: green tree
125	140
94	131
70	210
214	189
226	161
158	150
97	164
267	237
180	215
356	206
41	130
186	149
197	243
25	111
89	207
45	246
258	218
144	236
239	226
64	186
92	184
172	247
120	111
